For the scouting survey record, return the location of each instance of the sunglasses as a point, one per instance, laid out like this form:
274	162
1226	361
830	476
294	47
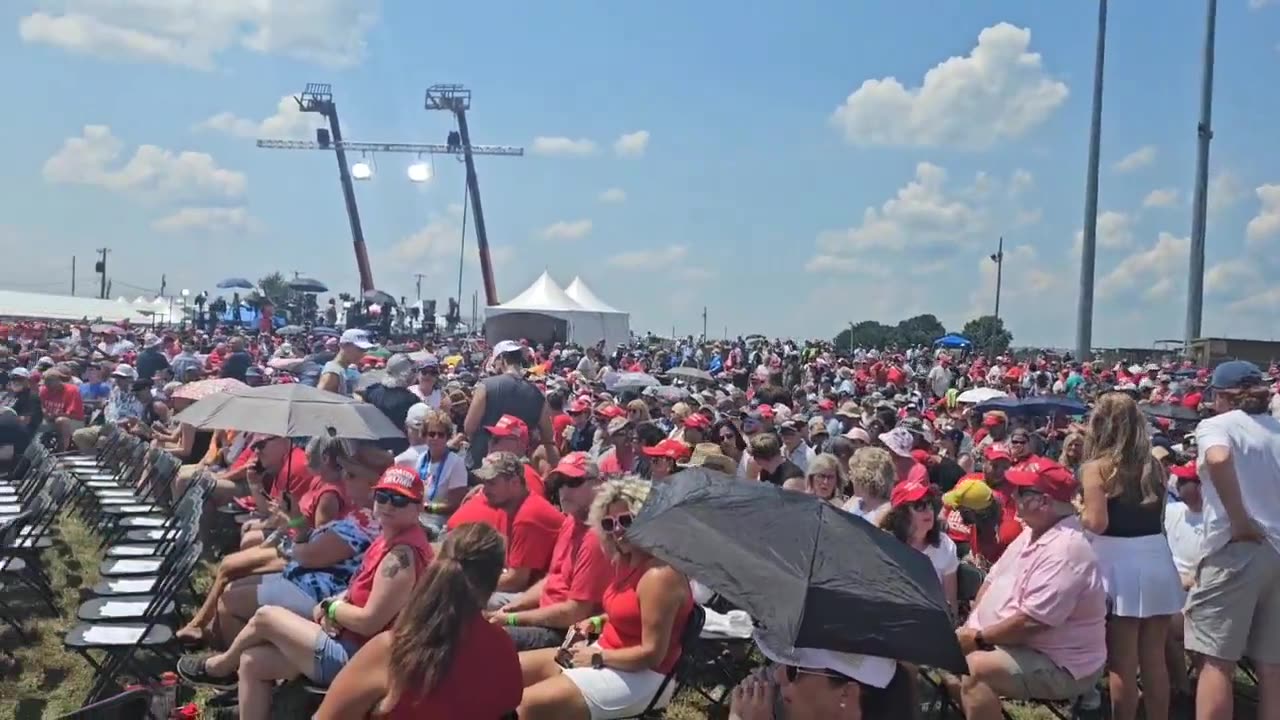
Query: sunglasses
792	672
1017	442
921	505
435	434
617	523
395	500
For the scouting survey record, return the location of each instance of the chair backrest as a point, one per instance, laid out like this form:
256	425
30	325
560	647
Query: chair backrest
169	584
689	639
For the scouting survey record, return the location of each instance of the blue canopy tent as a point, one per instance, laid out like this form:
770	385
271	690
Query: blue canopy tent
953	340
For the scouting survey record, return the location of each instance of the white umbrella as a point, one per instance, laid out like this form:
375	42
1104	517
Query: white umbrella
980	395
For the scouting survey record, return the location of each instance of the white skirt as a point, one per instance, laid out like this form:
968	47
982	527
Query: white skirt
1139	575
614	693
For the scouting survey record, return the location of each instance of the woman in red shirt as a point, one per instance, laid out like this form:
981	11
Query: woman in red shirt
442	659
646	606
279	645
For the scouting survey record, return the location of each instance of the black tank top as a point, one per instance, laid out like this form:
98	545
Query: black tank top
505	394
1128	519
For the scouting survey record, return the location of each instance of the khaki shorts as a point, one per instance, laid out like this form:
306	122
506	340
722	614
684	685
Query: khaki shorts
86	439
1033	676
1233	610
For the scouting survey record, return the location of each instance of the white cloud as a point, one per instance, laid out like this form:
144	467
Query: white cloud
1232	277
1139	158
1114	232
632	144
845	265
1151	269
563	146
659	259
613	195
92	159
922	213
193	33
1161	198
288	123
220	219
1266	224
1021	181
1225	190
567	230
1024	218
997	92
1025	278
433	250
1259	4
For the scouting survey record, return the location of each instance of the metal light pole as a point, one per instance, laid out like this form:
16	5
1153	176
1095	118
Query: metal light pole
1199	204
998	258
1089	246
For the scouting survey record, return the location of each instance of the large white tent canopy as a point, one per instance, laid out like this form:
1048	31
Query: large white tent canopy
15	304
589	319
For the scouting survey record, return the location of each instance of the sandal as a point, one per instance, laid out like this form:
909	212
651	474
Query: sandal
193	669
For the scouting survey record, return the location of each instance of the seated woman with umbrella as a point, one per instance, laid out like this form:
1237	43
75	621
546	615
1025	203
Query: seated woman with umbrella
646	608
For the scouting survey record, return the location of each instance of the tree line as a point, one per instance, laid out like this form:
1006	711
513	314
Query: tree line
987	333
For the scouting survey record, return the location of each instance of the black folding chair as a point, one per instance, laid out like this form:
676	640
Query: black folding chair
673	682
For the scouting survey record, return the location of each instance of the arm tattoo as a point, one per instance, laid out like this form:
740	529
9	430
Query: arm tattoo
398	559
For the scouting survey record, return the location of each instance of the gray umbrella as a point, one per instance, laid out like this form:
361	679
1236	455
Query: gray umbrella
690	373
291	410
308	285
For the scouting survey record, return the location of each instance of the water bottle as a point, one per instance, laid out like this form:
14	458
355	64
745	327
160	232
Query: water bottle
165	698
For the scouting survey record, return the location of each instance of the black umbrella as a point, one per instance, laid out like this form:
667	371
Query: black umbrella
813	575
308	285
1172	412
378	297
235	282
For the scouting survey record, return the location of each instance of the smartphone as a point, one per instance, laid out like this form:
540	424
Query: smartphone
564	656
286	502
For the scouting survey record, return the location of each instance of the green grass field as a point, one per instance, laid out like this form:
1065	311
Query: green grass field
43	680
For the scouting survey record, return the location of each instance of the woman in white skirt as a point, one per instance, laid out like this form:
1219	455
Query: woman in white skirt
1123	487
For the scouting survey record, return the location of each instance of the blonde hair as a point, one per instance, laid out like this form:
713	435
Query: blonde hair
630	489
639	406
826	462
871	472
1065	461
439	418
1119	442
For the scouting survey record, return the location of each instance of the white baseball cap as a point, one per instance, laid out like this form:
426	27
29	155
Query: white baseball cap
21	373
507	346
356	337
417	415
865	669
125	371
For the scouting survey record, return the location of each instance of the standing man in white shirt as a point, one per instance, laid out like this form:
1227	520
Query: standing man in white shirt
1233	610
1184	529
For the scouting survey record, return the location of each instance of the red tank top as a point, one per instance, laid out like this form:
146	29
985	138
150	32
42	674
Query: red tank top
309	502
415	538
622	605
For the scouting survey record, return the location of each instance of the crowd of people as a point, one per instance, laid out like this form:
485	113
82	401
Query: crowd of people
480	565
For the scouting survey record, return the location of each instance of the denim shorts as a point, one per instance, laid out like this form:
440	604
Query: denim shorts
331	655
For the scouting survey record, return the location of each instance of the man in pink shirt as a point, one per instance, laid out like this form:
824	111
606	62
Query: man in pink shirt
1038	626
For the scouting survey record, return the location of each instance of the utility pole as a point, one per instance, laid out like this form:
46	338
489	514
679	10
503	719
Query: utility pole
418	283
704	323
164	283
850	337
998	258
1199	204
73	274
1089	244
101	268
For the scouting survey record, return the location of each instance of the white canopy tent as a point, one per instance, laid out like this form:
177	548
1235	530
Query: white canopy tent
15	304
586	325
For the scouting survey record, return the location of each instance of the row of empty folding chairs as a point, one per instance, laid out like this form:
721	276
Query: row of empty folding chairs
150	542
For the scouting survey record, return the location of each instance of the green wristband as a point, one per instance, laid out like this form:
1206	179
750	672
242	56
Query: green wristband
597	623
297	522
333	610
511	619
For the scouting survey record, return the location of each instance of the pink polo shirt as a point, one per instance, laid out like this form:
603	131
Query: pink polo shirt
1056	581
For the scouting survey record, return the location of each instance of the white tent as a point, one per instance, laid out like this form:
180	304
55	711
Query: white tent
14	304
586	326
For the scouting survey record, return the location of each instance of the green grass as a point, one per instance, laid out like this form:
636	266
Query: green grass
44	680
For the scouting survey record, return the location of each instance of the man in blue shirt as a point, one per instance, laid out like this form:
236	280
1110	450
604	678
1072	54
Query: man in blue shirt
94	390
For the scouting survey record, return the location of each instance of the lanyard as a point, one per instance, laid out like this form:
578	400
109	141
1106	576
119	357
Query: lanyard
433	482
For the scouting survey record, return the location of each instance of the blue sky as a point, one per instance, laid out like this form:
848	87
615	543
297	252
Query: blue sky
791	166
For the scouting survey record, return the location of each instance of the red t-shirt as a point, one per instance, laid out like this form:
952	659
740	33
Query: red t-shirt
63	403
530	532
483	681
622	605
361	587
297	477
533	481
579	569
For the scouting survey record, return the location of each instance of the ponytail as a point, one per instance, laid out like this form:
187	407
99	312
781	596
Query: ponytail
454	588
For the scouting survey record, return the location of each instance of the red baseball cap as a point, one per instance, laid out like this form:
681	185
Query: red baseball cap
402	480
993	418
826	404
509	426
697	421
1047	477
909	491
573	465
669	448
1186	473
612	411
920	456
578	406
996	452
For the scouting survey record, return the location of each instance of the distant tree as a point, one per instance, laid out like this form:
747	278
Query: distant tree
919	330
988	335
867	333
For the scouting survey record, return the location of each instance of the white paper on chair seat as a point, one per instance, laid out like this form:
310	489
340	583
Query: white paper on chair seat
131	551
10	508
131	586
134	565
112	635
134	508
123	608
